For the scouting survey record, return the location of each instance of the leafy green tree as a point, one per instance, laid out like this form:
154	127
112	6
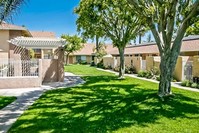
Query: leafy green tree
193	29
113	19
162	16
73	44
87	25
8	8
101	50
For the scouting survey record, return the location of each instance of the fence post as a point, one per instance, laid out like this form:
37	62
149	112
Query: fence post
40	72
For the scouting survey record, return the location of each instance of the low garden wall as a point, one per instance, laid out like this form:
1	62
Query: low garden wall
19	82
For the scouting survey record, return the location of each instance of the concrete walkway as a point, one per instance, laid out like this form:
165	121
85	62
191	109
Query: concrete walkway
173	84
27	96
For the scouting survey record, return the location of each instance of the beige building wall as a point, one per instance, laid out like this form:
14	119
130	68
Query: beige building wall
196	66
15	52
118	61
152	62
109	61
71	59
3	55
53	69
19	82
15	33
4	36
180	66
49	70
128	61
149	63
88	58
137	63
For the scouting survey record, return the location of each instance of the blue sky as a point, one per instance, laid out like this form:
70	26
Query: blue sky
48	15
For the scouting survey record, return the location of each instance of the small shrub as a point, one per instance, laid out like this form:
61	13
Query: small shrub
155	71
194	85
92	63
158	78
100	64
184	82
83	63
142	73
189	84
108	67
174	80
198	86
148	75
116	69
132	69
129	70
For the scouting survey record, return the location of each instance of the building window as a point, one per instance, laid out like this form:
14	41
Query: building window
80	58
47	53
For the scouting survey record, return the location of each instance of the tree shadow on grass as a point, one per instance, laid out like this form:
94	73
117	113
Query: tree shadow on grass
4	101
92	108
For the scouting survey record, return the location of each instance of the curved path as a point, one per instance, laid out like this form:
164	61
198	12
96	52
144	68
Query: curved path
27	96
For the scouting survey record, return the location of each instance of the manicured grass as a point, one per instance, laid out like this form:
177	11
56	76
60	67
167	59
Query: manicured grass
4	101
84	70
105	104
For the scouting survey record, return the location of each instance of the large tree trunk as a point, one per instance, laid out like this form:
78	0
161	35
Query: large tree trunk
67	57
167	67
122	64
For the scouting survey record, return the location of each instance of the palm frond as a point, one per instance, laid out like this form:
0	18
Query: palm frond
9	8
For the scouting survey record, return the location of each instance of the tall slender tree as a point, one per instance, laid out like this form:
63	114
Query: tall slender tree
163	16
114	20
9	7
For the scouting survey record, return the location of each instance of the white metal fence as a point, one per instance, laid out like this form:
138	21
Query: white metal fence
16	68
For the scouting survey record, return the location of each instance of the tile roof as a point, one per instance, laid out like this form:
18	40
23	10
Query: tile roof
6	26
188	45
43	34
88	49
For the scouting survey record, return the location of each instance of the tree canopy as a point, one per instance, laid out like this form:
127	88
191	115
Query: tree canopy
163	17
193	29
73	44
111	19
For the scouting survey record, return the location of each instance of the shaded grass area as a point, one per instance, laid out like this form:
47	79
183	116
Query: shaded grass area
105	104
4	101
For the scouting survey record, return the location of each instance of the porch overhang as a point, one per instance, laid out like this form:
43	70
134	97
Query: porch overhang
42	43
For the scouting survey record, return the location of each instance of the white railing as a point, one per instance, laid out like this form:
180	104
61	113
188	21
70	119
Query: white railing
16	68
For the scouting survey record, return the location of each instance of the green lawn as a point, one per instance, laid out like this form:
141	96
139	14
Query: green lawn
4	101
106	104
